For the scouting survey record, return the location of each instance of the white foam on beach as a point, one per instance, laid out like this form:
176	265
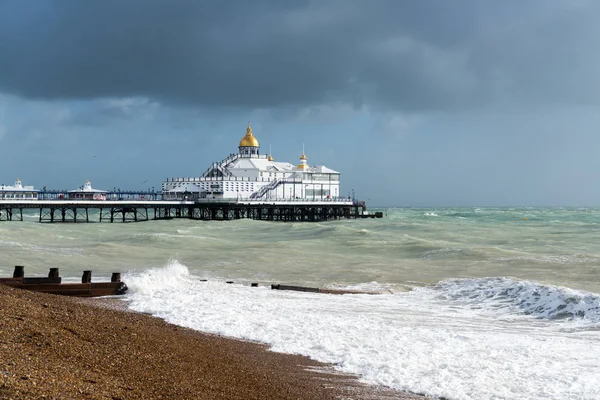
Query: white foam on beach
461	341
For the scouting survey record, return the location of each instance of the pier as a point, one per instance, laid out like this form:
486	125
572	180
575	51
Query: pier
243	185
135	209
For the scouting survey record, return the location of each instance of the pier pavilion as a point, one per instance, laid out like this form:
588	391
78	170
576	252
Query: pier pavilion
18	191
250	175
87	192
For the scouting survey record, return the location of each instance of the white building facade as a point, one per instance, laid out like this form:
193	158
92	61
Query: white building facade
249	175
87	192
18	191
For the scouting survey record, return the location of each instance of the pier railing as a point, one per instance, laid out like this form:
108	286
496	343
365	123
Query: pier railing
196	179
221	166
151	198
110	195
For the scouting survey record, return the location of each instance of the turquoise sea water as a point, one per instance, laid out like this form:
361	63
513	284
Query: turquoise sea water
479	302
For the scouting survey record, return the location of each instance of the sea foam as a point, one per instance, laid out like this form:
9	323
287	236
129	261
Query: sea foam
462	339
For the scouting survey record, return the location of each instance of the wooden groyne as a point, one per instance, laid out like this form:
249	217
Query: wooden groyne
53	284
307	289
318	290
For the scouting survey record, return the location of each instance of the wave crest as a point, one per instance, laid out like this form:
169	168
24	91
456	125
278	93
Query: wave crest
157	279
529	298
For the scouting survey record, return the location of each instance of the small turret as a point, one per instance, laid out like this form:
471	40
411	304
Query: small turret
303	164
270	158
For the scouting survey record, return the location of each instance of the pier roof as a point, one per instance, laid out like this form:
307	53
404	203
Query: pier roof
87	188
17	187
262	164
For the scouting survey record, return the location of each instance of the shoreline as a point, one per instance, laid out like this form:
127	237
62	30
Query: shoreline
96	348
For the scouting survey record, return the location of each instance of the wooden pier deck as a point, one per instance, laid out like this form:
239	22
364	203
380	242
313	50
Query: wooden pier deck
202	209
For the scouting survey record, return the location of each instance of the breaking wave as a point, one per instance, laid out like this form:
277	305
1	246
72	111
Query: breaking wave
524	297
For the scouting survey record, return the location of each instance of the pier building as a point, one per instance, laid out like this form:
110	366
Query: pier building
248	174
18	192
87	192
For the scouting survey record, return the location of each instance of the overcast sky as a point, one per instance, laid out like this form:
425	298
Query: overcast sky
416	103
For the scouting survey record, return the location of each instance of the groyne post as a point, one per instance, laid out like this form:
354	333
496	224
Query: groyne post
53	274
86	277
19	271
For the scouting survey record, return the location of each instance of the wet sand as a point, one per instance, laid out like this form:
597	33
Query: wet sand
55	347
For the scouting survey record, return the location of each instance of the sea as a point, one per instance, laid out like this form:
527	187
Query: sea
472	303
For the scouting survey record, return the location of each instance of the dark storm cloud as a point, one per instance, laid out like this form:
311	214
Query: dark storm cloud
410	55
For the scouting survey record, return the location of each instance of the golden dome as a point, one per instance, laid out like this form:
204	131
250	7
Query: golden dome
248	140
302	166
303	157
270	158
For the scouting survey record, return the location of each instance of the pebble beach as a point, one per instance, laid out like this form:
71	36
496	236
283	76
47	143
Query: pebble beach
54	347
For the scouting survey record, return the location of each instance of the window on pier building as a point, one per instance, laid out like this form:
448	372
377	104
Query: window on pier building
317	192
